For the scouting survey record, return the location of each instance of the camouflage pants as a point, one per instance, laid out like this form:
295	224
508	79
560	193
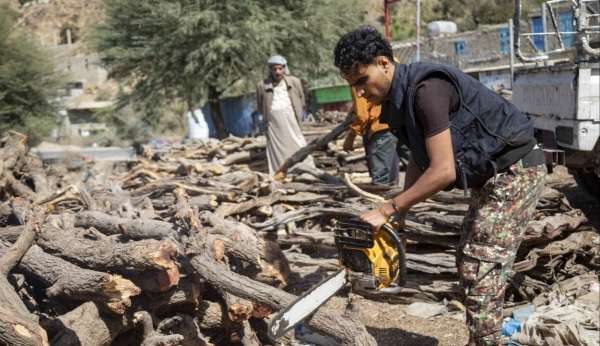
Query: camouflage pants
492	232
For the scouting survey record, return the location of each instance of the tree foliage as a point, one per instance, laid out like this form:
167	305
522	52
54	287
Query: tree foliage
197	50
27	82
467	14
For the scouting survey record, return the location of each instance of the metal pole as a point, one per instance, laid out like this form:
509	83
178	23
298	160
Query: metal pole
418	57
386	20
545	26
511	52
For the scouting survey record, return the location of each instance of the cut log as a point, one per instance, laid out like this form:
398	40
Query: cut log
64	279
152	337
344	330
149	263
131	228
168	186
186	326
304	214
211	315
315	144
87	325
17	325
264	254
204	202
11	233
19	331
184	297
239	311
227	209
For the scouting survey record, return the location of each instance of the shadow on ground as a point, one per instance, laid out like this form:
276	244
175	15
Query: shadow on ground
579	198
399	337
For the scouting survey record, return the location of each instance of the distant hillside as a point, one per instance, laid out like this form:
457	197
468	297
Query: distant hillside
50	19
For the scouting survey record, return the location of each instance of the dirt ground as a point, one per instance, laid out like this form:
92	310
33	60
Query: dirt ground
390	324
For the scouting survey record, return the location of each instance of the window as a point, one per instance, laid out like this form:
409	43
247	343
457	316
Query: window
504	41
460	47
565	24
537	26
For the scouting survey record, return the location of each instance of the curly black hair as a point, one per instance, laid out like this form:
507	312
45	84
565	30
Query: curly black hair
360	46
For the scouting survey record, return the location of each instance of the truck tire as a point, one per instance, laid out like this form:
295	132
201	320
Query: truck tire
589	181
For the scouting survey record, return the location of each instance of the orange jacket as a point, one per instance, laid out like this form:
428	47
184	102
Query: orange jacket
367	117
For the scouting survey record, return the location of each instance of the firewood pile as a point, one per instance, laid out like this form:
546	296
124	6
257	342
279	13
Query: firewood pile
194	244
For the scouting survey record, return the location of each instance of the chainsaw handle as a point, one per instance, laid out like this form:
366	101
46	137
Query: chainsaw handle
401	251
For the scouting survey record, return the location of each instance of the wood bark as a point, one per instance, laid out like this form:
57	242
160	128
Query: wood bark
211	315
66	280
344	330
264	254
151	337
315	144
87	325
17	325
149	263
227	209
131	228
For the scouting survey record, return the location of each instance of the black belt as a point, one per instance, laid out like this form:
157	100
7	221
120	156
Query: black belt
534	158
528	152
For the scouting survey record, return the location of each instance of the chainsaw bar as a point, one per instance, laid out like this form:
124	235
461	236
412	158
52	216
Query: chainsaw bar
306	304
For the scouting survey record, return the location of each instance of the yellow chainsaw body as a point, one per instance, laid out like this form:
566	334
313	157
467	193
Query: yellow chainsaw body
385	259
375	260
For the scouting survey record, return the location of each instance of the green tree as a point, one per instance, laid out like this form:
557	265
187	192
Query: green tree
27	82
197	50
471	13
467	14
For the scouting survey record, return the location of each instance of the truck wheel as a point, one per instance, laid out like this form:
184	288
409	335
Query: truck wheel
589	181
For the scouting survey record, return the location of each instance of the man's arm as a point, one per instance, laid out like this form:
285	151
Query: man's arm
413	173
436	177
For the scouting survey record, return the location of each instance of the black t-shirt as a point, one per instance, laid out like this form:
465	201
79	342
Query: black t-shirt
436	98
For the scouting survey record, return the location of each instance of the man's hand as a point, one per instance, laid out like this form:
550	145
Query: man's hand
374	218
378	217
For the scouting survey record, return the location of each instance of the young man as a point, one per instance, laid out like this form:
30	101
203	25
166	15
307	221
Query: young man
379	142
280	100
463	135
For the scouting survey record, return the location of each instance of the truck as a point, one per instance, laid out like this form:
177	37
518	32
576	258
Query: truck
557	83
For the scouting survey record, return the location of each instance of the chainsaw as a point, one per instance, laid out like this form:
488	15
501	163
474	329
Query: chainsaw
371	262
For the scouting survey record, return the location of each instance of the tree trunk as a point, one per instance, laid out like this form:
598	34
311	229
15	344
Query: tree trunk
215	112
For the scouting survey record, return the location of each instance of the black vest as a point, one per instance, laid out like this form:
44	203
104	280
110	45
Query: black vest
488	133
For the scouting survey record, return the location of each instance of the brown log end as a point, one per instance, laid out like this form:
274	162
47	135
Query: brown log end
240	312
218	250
119	291
164	258
261	310
18	330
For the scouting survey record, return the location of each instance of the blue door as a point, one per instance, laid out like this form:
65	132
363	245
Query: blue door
504	41
537	26
460	47
565	24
